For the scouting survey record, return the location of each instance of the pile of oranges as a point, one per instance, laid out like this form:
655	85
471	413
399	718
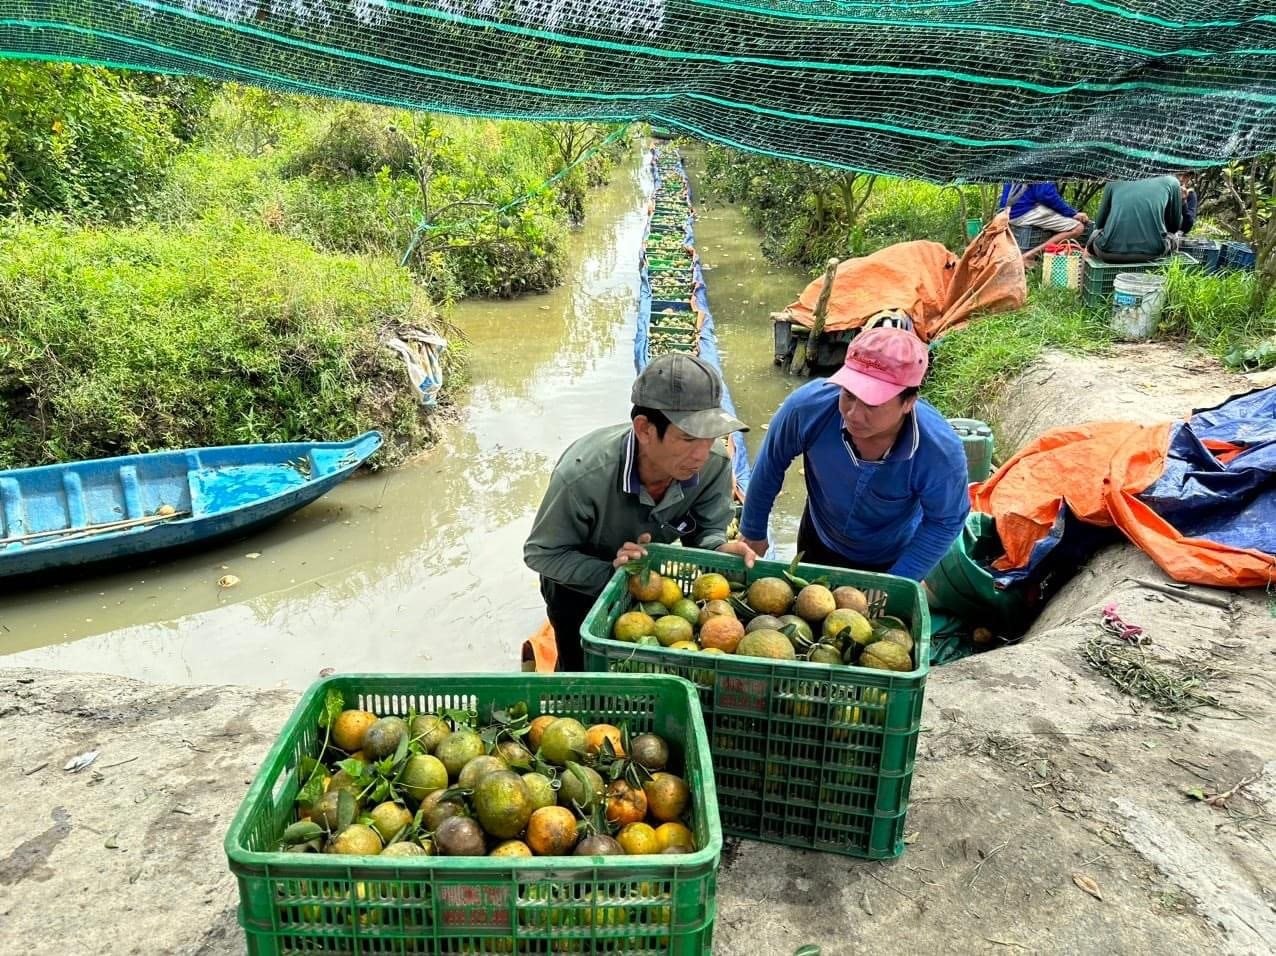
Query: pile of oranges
428	784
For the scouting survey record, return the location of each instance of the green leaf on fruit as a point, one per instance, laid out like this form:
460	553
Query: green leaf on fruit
346	809
333	705
301	832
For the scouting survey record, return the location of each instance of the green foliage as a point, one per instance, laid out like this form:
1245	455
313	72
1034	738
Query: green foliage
1241	197
356	141
78	140
354	178
128	340
808	214
183	100
253	121
970	366
902	210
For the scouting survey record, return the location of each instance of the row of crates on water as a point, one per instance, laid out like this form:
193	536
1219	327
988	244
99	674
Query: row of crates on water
670	268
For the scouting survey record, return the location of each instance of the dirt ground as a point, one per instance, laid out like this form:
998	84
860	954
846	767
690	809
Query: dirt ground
1051	812
1148	382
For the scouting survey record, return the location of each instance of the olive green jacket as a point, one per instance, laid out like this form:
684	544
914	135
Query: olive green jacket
595	503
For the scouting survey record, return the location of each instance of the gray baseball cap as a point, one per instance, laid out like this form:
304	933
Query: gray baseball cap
688	390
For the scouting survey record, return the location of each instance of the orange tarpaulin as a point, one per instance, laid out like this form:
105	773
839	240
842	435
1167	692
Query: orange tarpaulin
1135	466
1097	469
542	650
940	291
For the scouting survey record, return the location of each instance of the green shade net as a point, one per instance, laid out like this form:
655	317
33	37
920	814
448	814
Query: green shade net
936	89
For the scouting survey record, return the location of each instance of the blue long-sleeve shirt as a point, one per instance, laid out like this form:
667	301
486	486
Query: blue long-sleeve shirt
904	511
1035	194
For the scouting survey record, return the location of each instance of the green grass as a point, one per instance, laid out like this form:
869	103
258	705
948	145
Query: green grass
129	340
1217	312
971	366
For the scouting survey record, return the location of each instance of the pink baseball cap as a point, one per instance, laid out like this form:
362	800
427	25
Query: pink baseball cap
881	363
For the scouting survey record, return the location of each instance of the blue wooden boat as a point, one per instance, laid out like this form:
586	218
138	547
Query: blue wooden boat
114	509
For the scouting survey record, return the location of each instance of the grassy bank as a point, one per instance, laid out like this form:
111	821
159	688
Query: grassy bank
969	367
132	339
185	264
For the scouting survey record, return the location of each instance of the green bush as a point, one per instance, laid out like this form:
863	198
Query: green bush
524	250
322	173
184	100
808	214
128	340
1216	311
78	140
212	184
356	141
901	210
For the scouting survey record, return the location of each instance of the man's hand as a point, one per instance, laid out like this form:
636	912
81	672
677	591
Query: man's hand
1082	218
631	551
741	547
759	547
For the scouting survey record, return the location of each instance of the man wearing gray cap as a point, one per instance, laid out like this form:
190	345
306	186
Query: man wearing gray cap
664	477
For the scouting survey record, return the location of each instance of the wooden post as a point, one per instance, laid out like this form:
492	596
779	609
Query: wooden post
821	311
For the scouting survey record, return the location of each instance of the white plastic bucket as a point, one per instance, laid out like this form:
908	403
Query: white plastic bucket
1137	300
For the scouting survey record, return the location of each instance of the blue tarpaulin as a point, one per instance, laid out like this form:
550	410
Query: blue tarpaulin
1231	501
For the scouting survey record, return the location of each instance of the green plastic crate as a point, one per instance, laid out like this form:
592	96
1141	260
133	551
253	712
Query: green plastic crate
1098	278
308	903
806	755
689	331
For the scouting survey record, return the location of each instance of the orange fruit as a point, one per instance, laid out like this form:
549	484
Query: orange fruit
552	831
667	796
671	629
625	802
638	839
670	593
632	625
511	848
771	596
389	818
715	609
710	587
350	727
684	646
595	736
676	835
355	840
537	729
722	632
646	586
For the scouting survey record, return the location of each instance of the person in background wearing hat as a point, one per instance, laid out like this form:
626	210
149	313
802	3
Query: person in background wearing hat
885	472
662	477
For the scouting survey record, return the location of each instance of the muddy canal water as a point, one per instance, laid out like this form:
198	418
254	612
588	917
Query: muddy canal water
419	568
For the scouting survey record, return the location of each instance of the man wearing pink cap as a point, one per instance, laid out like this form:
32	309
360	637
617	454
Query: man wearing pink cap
885	472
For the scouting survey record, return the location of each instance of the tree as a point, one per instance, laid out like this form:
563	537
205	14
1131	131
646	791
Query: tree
1244	203
570	143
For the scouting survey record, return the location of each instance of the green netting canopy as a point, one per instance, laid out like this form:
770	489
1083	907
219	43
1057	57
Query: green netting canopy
935	89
